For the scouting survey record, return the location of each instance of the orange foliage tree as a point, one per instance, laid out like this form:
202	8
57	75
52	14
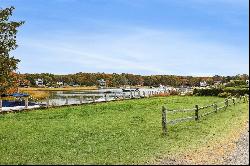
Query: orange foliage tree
8	64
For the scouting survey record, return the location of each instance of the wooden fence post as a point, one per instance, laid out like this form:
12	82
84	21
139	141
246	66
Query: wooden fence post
196	112
67	100
226	103
26	102
47	102
115	96
139	94
144	94
81	99
247	98
105	96
130	94
124	95
215	108
164	121
93	98
1	104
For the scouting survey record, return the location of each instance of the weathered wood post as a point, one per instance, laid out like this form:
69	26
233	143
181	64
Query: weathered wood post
196	112
139	94
144	94
93	98
1	104
215	107
67	101
226	103
47	102
105	96
134	94
81	99
26	102
164	121
130	94
124	95
115	96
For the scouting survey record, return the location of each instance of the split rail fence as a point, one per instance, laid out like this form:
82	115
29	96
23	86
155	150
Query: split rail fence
199	112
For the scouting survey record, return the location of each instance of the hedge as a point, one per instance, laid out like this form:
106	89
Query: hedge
217	91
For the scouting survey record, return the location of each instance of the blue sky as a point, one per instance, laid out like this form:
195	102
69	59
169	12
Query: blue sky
182	37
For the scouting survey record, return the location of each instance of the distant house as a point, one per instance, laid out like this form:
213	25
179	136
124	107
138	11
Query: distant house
161	86
203	84
39	82
217	82
102	83
60	83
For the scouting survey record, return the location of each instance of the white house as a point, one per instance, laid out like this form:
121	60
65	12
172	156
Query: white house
203	84
39	82
102	83
59	83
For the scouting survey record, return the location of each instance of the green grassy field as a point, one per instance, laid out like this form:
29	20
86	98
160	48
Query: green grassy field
122	132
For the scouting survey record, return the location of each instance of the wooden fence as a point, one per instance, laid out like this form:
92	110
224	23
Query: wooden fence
196	111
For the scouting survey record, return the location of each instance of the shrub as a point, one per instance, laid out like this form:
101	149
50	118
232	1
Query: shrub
173	92
207	92
162	95
237	91
216	91
224	94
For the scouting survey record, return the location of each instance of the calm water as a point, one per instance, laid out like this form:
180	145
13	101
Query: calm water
87	96
74	97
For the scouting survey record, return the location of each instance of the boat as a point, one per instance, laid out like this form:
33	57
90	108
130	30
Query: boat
129	90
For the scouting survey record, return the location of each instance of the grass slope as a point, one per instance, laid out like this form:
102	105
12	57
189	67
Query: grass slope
123	132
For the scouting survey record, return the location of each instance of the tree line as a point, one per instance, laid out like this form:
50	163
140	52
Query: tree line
118	80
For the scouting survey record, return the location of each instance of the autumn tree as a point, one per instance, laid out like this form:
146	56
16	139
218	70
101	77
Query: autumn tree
8	64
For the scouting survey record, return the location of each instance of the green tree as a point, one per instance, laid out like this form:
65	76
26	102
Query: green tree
8	64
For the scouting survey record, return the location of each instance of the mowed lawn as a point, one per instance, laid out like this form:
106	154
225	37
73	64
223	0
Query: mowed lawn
121	132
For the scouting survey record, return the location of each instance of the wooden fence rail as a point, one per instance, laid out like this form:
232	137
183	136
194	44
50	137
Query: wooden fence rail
225	104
